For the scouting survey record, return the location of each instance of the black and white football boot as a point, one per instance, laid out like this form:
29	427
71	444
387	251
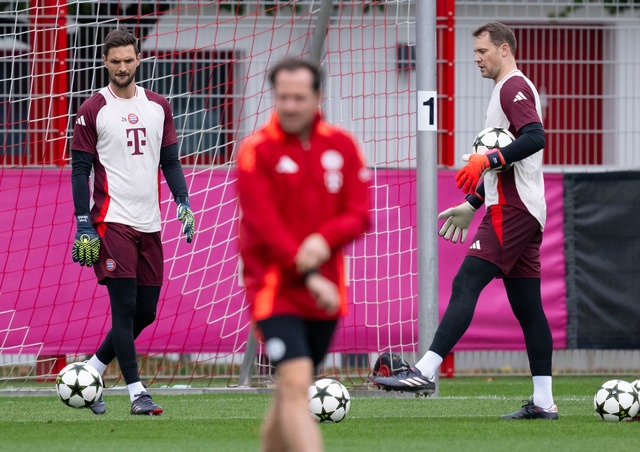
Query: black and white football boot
410	380
143	404
531	411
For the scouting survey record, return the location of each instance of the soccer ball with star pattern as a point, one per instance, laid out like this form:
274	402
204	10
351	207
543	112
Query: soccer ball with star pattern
79	385
491	138
616	400
329	400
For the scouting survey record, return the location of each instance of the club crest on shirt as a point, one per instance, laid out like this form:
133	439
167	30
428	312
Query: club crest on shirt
110	265
331	160
333	181
286	165
133	118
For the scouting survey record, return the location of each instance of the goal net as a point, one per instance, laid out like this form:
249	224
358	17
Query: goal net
210	60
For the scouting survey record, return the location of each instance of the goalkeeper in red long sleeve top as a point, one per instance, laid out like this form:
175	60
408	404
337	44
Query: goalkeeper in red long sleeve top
303	192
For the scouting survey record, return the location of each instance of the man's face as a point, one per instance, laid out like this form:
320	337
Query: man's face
295	100
488	56
121	63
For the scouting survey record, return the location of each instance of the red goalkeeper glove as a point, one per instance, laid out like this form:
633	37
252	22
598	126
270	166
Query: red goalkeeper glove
470	175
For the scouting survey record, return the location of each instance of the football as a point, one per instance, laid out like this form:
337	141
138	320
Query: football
329	400
616	400
491	138
79	385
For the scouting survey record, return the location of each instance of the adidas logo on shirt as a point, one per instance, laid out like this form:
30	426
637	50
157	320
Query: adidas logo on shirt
519	96
475	245
286	165
80	121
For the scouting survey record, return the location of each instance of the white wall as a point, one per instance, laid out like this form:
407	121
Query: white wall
367	95
364	92
257	45
472	91
626	92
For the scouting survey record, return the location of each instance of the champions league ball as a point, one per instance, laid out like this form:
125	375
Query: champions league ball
79	385
616	400
329	400
491	138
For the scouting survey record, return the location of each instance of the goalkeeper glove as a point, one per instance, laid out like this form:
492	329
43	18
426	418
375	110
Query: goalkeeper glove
469	175
458	220
86	246
185	215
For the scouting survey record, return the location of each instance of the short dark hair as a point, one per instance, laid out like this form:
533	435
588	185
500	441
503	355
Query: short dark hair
120	37
498	35
293	64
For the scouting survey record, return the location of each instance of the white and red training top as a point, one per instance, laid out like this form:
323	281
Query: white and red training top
514	104
125	136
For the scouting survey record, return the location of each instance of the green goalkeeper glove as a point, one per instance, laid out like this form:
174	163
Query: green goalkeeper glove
185	215
458	220
86	246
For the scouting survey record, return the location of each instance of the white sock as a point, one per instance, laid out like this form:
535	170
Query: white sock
542	395
135	389
429	364
97	364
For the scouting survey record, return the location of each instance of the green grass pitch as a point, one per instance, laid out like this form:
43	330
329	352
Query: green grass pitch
464	418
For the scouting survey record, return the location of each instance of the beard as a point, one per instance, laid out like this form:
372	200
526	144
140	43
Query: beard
125	83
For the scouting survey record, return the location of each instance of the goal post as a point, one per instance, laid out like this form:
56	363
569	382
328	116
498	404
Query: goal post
427	174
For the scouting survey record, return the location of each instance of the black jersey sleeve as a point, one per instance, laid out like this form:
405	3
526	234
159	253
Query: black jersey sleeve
530	140
173	174
81	164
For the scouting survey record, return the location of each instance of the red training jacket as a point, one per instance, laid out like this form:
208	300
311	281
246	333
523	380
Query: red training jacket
288	190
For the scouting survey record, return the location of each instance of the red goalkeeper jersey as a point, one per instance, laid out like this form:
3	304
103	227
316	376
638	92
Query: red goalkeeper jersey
289	189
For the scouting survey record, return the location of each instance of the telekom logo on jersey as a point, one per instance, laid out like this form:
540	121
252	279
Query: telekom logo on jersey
136	137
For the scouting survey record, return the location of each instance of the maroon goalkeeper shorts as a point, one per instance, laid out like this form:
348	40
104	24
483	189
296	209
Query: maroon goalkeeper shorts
509	238
127	253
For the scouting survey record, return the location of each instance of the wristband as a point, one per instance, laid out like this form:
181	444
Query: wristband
496	160
475	200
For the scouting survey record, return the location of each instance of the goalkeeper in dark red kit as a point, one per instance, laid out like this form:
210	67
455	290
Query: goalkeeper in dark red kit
303	191
123	136
509	182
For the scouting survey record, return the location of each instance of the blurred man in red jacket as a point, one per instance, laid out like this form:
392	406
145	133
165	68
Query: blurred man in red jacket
303	191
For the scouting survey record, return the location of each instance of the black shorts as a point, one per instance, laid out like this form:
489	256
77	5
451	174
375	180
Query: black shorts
288	337
127	253
509	238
